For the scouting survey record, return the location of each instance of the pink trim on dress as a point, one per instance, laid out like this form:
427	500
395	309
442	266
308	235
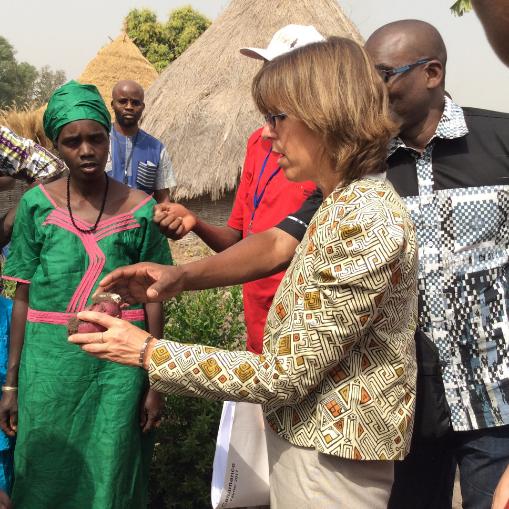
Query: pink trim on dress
61	218
147	199
116	218
48	196
130	227
130	315
16	279
133	315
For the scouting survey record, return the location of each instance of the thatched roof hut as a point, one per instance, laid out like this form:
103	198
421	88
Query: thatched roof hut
119	60
200	107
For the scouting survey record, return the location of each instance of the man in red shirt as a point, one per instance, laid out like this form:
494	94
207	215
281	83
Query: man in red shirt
264	198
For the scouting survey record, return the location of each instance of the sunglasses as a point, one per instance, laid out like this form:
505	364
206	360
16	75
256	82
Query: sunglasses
271	119
386	75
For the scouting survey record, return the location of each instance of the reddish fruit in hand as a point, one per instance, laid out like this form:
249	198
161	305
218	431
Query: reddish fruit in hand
108	303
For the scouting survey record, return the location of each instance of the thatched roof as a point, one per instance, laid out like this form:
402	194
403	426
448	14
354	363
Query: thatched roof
27	124
120	60
200	107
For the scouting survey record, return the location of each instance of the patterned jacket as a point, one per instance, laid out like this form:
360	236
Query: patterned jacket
24	159
338	368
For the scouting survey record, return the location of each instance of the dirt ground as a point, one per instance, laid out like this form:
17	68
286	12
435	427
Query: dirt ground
189	251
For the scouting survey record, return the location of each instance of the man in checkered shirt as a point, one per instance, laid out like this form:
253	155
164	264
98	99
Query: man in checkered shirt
451	167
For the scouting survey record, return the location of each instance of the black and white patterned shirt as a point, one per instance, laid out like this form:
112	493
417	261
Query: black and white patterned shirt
457	191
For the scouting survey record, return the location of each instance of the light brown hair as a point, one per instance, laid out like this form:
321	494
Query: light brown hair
334	88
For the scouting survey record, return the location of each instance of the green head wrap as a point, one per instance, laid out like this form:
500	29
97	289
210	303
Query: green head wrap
71	102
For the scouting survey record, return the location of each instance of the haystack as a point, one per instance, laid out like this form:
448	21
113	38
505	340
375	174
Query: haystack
200	107
120	60
26	123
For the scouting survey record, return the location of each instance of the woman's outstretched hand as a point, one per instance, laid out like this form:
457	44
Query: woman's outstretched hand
121	343
143	282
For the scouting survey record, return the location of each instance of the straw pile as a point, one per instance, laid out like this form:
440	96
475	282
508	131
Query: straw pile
120	60
200	107
27	124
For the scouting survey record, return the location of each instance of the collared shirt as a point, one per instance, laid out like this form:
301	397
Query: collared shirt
457	192
149	167
338	367
25	160
279	197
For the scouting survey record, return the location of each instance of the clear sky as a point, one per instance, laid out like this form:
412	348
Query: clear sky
66	34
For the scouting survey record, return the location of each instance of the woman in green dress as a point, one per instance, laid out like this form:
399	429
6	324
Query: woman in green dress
82	427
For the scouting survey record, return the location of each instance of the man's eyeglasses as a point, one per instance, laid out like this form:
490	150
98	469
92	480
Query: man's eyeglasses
271	119
386	75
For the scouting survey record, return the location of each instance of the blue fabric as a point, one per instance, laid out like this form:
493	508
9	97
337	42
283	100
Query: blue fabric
6	443
146	156
425	478
6	469
483	456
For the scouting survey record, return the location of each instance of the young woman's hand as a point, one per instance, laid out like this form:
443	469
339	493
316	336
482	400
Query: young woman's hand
5	501
151	410
9	413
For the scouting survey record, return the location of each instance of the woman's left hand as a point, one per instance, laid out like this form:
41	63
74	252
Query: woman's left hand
151	410
121	343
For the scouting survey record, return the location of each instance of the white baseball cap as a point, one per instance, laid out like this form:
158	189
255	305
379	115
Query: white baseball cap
288	38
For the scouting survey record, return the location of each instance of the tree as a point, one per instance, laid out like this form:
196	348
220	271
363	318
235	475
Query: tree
461	6
184	27
46	84
16	80
162	43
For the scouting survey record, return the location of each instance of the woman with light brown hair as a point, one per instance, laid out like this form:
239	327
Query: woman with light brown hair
336	379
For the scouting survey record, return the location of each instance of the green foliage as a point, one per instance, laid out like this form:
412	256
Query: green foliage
21	85
16	80
46	84
181	470
162	43
461	6
184	27
10	288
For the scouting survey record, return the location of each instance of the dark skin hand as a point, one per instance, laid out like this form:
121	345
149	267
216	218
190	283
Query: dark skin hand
416	96
151	402
9	401
175	222
5	501
269	252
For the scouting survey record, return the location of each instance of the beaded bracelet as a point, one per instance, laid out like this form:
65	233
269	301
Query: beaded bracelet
142	352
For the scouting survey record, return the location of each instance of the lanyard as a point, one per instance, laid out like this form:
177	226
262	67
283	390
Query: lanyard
258	198
126	165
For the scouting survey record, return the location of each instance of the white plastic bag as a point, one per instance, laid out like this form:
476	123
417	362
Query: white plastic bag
241	466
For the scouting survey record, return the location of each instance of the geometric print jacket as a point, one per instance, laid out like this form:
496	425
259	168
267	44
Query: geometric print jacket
24	159
338	368
457	191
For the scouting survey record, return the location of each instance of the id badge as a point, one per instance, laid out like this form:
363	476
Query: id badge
249	231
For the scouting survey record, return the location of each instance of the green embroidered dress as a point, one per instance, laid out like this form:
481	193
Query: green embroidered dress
79	443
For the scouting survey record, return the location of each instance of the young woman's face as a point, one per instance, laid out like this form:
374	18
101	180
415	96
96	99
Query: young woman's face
300	149
84	147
